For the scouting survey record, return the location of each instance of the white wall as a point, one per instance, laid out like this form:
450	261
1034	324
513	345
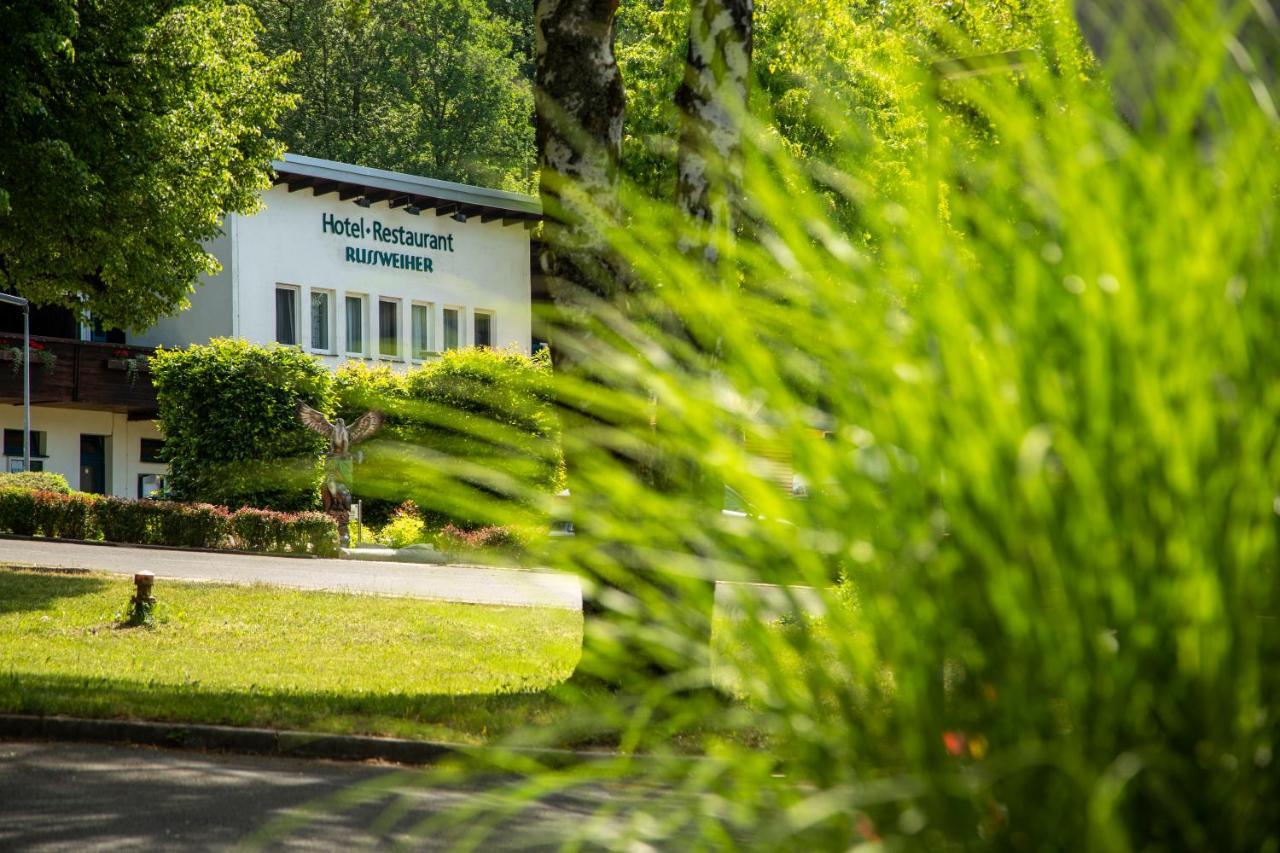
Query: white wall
210	311
63	428
488	270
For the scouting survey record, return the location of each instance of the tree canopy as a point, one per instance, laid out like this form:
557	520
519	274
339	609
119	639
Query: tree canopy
437	88
818	71
130	128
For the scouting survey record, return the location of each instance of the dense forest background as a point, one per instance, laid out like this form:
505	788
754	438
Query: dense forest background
443	88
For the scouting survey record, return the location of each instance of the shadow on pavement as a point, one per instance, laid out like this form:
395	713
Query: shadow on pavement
58	796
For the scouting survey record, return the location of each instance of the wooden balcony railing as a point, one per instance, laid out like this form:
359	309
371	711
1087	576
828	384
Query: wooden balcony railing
79	374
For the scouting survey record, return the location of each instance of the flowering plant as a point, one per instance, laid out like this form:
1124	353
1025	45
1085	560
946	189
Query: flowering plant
15	349
133	362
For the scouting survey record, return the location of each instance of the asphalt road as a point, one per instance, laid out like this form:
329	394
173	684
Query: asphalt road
74	797
469	584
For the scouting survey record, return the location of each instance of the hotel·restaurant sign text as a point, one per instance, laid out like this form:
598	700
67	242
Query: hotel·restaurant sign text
398	236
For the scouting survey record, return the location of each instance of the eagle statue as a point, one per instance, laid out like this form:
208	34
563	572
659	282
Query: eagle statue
340	436
337	481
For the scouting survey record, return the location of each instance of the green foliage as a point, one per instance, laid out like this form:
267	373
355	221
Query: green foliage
228	411
298	533
130	129
67	516
820	80
435	88
468	437
18	512
495	538
190	525
148	522
35	481
1034	397
405	528
123	520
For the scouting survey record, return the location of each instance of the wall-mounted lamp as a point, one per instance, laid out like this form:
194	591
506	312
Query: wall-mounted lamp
412	208
363	201
459	217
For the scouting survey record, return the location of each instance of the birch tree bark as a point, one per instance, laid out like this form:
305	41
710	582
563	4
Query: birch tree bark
580	106
711	99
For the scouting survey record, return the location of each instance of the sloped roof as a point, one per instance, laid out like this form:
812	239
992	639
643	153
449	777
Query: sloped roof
398	189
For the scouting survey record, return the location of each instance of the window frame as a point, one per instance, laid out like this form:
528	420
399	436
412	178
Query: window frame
330	320
429	349
39	443
493	326
363	300
398	304
142	450
295	293
148	475
460	329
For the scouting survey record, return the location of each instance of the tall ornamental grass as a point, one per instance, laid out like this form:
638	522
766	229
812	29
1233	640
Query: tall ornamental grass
1033	401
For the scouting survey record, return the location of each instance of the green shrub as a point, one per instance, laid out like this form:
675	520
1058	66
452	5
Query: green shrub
405	528
228	410
312	533
493	538
65	516
470	438
18	512
35	481
256	529
164	523
296	533
190	525
129	521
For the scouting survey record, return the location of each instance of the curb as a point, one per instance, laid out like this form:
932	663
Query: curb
275	742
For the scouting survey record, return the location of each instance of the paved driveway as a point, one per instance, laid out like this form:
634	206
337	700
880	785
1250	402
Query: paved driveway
73	797
468	584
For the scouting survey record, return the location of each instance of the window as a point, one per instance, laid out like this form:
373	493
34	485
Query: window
483	329
451	328
151	450
149	485
321	320
422	331
388	327
13	443
355	325
287	315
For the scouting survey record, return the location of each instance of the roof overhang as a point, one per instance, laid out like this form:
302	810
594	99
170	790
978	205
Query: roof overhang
396	189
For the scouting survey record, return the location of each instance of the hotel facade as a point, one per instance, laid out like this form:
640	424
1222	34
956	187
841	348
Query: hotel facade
345	262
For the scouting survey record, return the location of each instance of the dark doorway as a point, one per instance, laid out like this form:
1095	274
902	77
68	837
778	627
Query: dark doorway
93	464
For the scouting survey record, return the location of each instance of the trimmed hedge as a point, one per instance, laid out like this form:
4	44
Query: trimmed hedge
35	481
228	411
472	438
82	516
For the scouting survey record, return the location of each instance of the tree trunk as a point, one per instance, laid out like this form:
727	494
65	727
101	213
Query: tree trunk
712	99
580	103
1139	44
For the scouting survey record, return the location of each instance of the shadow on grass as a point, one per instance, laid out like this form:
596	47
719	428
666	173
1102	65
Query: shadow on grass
469	718
23	590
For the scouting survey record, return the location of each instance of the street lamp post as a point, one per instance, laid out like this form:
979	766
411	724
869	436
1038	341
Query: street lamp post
25	305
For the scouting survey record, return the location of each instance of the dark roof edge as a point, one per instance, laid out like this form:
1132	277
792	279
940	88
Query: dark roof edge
332	171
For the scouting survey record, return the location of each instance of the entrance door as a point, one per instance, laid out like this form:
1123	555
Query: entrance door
93	464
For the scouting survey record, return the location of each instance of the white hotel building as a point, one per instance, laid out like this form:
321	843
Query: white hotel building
346	262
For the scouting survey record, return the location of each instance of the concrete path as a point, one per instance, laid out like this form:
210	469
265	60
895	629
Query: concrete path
74	797
467	584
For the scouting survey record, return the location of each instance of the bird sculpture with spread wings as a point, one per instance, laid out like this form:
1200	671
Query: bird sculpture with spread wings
338	468
340	436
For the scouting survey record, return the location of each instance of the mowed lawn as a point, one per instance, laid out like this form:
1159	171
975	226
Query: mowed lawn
263	656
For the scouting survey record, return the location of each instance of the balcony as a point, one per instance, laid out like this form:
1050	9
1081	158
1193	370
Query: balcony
79	375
